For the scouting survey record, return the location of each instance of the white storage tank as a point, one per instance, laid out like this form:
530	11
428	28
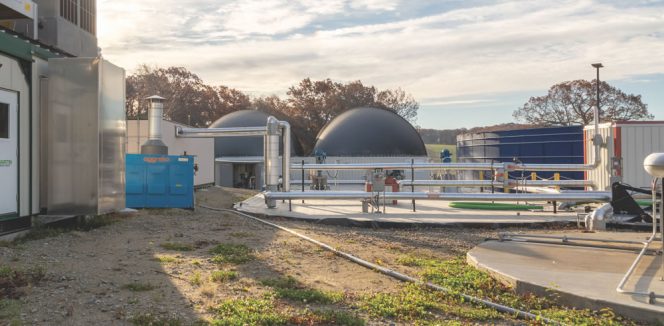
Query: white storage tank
625	146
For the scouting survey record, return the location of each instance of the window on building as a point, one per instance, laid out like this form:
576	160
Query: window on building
89	16
69	10
4	120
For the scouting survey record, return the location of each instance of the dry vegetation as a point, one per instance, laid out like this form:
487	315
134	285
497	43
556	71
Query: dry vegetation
178	267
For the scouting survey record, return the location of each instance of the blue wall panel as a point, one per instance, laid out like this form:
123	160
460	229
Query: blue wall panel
538	145
160	181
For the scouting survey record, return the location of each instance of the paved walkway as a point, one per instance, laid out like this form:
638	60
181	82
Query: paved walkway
583	277
429	213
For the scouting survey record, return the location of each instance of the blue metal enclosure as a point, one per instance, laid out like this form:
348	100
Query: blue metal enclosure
554	145
160	181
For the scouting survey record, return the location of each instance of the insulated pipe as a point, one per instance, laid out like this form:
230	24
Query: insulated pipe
155	115
489	183
394	166
183	132
286	156
272	154
450	166
589	196
395	274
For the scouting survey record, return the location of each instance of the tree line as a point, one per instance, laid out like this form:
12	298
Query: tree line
311	104
308	106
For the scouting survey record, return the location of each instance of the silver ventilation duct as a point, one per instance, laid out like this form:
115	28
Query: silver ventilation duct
154	144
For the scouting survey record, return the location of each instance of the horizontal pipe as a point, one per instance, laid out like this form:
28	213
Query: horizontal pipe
489	183
184	132
332	181
446	166
396	166
589	196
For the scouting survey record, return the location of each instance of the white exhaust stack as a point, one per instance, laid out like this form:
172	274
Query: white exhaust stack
155	145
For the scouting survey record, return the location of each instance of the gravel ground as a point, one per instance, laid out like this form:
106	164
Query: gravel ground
87	273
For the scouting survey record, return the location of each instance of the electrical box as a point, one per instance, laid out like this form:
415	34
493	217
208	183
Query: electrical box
160	181
378	181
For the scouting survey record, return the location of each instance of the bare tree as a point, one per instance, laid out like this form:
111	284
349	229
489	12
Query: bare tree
572	102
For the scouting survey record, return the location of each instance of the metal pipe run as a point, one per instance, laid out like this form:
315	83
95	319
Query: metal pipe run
489	183
286	156
588	196
447	166
394	274
184	132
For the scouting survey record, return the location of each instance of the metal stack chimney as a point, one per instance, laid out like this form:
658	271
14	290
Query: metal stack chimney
154	144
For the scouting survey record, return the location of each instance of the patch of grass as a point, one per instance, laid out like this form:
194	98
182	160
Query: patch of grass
223	276
196	279
327	317
288	288
248	311
166	259
231	253
287	282
415	302
176	246
152	320
139	287
13	280
10	311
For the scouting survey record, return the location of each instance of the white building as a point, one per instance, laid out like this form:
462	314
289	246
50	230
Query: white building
624	147
201	148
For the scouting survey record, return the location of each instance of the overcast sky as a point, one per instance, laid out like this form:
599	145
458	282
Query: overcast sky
468	63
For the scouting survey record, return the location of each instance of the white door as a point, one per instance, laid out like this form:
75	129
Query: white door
8	153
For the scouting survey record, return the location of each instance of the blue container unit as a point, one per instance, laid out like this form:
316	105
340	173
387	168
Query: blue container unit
160	181
556	145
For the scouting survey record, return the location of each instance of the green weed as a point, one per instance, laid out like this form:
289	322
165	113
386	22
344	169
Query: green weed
288	288
248	311
196	279
231	253
166	259
223	276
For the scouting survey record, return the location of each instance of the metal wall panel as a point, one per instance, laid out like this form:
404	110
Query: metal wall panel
112	132
602	174
85	137
73	155
637	142
556	145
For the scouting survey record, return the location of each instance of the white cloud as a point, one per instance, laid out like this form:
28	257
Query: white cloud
259	47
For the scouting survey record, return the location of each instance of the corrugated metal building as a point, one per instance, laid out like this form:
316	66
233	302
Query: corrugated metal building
625	146
201	148
58	126
556	145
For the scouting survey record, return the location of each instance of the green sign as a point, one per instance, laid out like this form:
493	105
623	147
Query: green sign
5	163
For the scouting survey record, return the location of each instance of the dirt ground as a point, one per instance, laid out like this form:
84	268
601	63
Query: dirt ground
89	275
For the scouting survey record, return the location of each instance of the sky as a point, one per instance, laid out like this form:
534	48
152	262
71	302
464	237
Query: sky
467	62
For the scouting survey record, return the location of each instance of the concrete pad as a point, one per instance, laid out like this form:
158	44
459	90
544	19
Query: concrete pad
581	277
429	213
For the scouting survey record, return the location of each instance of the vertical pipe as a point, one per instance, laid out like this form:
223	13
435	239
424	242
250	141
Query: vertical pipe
271	158
661	224
597	106
286	156
412	179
